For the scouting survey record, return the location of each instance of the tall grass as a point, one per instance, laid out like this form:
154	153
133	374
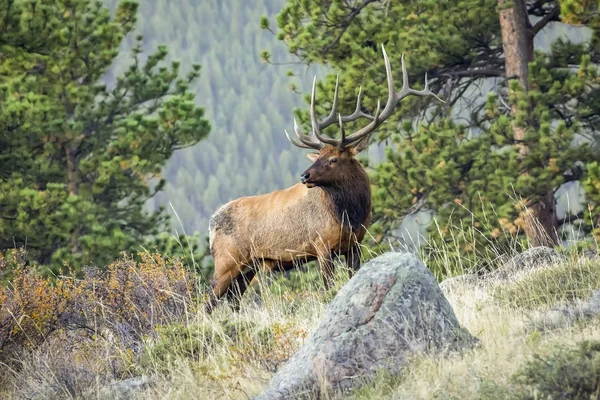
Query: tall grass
56	342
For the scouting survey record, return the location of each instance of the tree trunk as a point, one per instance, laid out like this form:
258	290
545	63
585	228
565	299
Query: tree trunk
539	217
72	184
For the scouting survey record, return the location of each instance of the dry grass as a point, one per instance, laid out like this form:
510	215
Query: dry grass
568	282
162	332
238	365
510	320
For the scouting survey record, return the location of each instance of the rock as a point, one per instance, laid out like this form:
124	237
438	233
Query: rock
589	255
560	316
586	309
125	389
527	261
391	309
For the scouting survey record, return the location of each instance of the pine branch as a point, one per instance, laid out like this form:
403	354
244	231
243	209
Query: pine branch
537	8
353	14
470	73
574	175
553	15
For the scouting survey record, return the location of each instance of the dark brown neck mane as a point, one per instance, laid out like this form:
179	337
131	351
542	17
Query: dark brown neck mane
351	197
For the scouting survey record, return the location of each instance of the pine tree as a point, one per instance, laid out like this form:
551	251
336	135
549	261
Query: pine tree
519	121
79	158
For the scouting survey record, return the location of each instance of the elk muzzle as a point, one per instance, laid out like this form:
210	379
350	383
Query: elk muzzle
305	179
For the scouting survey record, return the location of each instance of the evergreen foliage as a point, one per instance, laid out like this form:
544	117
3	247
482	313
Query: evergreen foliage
460	161
78	158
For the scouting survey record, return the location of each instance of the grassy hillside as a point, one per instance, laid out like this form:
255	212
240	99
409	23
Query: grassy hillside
533	327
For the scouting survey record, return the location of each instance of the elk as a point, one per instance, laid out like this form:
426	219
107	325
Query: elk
323	216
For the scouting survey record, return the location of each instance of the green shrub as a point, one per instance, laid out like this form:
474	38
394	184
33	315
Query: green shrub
195	341
175	342
566	373
105	314
491	390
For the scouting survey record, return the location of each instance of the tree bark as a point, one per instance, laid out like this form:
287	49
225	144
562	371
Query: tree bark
72	184
539	217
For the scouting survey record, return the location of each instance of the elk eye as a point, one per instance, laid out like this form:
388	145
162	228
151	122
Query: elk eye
333	160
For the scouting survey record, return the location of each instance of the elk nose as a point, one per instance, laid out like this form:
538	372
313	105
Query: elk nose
305	176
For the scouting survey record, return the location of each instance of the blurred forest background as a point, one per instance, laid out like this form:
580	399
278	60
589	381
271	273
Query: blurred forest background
256	62
248	102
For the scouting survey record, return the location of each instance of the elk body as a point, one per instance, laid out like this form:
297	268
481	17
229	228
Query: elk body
323	216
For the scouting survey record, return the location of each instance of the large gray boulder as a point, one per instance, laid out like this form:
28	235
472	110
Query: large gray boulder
560	316
391	309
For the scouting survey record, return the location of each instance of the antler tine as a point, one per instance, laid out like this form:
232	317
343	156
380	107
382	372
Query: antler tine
305	139
331	118
297	144
357	111
395	97
342	133
356	136
316	126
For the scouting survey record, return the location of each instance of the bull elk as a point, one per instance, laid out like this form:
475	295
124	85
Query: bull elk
324	215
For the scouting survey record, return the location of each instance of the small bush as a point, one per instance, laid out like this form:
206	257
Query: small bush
490	390
566	373
175	342
70	364
270	347
557	284
103	316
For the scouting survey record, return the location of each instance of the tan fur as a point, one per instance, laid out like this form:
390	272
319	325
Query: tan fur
285	227
326	215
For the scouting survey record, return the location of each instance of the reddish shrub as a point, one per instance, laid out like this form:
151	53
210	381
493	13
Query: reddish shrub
124	302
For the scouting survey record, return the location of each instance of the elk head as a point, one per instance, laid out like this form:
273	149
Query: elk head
336	156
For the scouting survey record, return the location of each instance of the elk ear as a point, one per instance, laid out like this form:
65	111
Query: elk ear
360	146
312	156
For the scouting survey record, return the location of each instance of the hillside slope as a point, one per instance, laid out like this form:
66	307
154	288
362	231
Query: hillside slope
538	335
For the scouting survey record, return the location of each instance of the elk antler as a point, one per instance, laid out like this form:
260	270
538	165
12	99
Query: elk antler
318	141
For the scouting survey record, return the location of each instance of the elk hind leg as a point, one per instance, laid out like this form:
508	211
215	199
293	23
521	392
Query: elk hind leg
227	269
264	266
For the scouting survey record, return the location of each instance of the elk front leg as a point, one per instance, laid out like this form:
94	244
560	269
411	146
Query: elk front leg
218	287
353	258
327	270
